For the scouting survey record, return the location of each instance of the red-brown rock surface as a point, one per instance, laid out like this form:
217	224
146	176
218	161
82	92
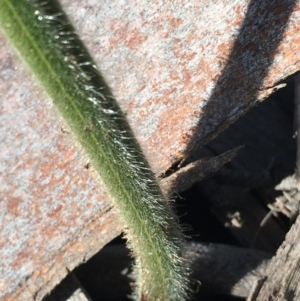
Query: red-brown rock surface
181	70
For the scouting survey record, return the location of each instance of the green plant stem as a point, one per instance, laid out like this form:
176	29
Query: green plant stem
43	36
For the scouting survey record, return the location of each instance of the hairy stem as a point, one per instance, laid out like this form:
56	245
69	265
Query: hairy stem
44	37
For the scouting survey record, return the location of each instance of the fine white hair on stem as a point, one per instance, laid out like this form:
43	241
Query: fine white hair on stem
43	36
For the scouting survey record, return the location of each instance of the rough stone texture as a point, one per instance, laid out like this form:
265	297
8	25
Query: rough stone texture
182	70
53	213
